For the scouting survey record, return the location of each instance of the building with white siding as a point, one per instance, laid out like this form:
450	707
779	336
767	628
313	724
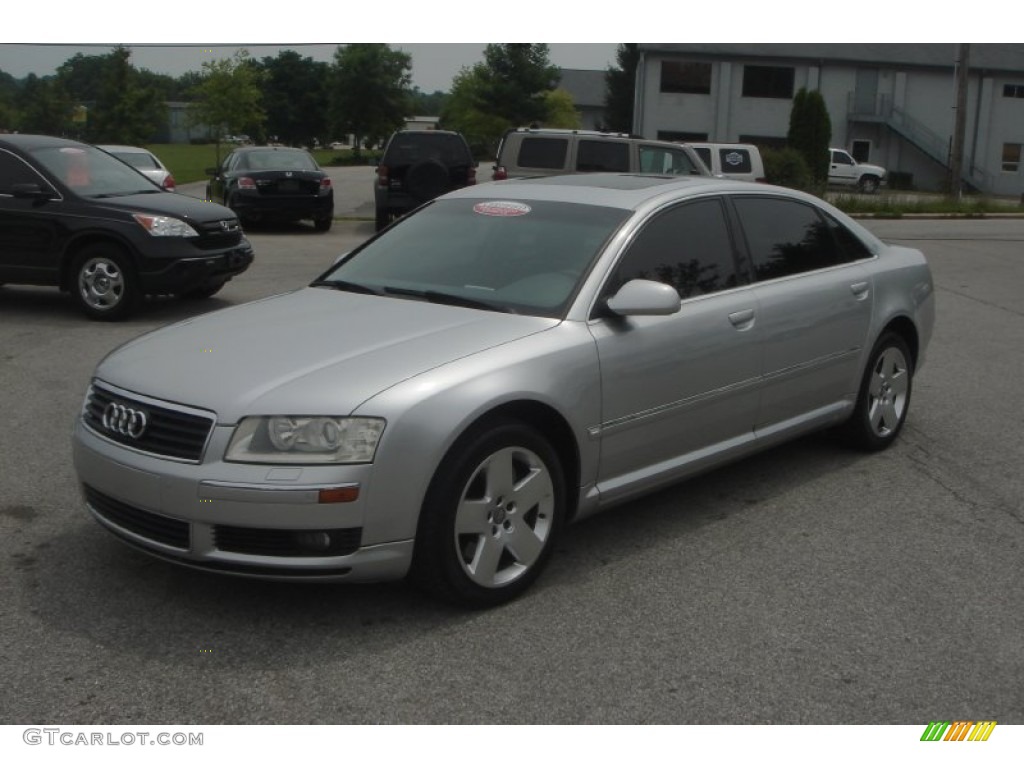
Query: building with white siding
890	104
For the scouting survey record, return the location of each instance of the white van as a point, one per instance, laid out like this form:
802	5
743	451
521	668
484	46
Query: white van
731	161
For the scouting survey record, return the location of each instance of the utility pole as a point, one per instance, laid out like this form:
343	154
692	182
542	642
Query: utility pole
956	163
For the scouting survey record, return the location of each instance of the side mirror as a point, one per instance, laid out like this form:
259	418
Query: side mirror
32	191
643	298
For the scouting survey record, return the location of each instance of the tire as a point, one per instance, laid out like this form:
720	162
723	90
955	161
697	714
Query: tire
204	291
323	224
383	218
427	179
884	397
492	514
869	185
103	282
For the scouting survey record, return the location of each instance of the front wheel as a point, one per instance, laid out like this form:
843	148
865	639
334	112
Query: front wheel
489	522
884	397
104	286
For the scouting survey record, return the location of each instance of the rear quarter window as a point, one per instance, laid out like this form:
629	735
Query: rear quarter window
735	160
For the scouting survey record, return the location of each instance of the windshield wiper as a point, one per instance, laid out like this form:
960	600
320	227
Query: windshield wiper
345	285
439	297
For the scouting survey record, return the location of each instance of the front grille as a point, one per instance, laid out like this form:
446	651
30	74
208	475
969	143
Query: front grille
214	235
148	525
168	431
274	542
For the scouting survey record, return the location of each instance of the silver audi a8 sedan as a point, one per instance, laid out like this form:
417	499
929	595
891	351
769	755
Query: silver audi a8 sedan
507	359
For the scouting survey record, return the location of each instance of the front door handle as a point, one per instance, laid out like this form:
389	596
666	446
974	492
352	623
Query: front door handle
742	319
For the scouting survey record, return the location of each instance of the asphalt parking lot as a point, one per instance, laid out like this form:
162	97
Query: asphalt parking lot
805	585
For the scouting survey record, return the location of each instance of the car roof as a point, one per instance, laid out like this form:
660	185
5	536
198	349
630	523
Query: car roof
28	141
269	148
629	191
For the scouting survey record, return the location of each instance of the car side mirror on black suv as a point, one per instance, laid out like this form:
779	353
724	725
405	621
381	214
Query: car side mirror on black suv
33	191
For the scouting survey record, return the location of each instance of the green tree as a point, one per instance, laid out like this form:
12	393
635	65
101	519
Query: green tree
810	132
620	89
560	110
125	110
515	80
295	98
463	112
9	90
44	106
370	92
228	99
429	104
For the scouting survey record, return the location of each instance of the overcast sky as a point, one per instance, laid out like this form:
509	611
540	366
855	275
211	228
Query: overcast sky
169	38
433	64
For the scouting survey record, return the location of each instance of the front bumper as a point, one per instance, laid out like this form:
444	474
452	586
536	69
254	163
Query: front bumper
181	275
242	519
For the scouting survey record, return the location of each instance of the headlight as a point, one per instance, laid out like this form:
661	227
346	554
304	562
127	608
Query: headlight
305	440
165	226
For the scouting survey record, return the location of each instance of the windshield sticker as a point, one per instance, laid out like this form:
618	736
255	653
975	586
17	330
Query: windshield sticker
501	208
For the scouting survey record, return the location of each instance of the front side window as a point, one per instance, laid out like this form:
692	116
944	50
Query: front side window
785	237
685	77
674	162
841	158
1011	157
602	156
687	247
13	170
768	82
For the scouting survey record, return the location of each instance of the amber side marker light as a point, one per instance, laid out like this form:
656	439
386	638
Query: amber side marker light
338	495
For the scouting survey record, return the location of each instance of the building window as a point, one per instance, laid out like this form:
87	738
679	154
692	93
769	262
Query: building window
772	142
1011	157
681	136
768	82
685	77
1010	91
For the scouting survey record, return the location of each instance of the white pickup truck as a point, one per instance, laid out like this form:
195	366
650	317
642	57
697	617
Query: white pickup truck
844	171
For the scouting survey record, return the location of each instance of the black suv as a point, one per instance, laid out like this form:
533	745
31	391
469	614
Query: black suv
73	216
417	166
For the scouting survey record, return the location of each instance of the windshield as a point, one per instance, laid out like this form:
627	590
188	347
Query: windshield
526	257
91	172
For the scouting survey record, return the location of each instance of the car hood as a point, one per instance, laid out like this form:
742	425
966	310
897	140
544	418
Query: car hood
869	168
314	351
167	203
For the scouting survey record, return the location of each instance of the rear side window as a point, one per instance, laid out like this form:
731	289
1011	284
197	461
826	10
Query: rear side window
735	160
602	156
785	237
537	152
687	247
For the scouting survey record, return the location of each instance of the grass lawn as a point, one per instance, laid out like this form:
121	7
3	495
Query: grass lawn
188	162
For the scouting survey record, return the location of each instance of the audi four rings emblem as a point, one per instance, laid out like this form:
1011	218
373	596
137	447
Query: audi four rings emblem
125	421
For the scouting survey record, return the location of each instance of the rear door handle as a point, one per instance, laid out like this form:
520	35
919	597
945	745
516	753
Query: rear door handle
861	290
742	319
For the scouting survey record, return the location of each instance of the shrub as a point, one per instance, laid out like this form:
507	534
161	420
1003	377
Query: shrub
787	168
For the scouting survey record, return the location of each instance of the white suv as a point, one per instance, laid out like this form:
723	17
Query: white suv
844	171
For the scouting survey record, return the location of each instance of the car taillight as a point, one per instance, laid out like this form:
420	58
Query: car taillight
500	174
325	184
382	175
244	182
169	183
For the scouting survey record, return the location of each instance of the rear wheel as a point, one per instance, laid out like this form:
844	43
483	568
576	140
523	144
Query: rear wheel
104	285
490	519
383	218
884	397
323	223
869	184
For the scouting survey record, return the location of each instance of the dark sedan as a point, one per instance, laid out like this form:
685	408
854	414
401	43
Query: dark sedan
273	184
